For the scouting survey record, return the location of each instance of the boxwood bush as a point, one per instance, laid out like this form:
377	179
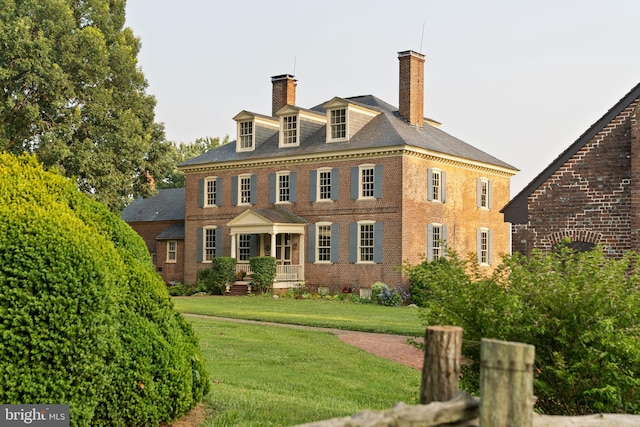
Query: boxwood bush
84	319
263	272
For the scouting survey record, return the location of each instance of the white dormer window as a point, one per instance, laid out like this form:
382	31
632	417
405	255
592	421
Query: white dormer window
289	133
338	124
245	135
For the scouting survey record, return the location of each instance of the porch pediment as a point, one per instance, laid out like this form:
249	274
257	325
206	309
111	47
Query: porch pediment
267	221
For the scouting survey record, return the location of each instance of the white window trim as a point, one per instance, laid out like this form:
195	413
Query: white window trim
207	180
359	247
484	230
431	246
483	181
278	175
317	246
318	185
239	138
281	143
360	169
175	252
430	189
240	178
346	124
204	244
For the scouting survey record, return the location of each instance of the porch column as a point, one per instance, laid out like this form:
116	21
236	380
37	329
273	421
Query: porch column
272	252
233	245
301	254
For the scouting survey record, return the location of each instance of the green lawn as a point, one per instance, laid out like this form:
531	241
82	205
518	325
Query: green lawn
274	376
269	375
316	312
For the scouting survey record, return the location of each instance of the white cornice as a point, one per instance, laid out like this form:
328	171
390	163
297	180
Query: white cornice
346	155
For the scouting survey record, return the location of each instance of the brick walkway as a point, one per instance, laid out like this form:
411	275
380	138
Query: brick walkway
392	347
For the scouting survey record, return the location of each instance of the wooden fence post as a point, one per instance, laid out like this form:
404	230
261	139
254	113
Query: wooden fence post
506	384
441	368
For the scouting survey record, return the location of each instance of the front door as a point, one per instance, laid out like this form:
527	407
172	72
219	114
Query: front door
283	249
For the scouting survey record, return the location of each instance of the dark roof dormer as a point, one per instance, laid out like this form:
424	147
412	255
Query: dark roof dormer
253	129
297	124
344	119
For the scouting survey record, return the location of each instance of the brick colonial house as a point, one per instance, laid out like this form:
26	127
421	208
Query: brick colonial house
344	192
590	193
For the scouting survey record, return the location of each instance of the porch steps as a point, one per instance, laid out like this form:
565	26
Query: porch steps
239	288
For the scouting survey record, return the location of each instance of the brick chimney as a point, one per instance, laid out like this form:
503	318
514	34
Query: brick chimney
284	92
411	106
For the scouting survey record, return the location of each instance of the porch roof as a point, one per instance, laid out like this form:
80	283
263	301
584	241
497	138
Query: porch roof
267	221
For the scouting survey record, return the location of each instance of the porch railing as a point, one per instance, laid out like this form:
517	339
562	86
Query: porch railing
284	273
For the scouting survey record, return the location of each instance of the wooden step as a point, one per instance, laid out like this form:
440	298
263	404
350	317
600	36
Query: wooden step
238	289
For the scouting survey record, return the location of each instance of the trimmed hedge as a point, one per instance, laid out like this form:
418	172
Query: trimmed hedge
222	271
263	272
84	319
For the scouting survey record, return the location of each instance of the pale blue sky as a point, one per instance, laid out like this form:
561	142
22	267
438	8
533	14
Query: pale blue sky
521	80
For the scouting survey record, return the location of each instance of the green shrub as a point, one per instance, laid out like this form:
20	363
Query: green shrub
263	272
580	310
214	280
84	319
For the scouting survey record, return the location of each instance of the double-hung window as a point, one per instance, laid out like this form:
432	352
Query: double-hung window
323	185
244	190
172	251
365	242
209	191
323	243
323	234
289	131
245	135
436	185
366	182
338	124
483	244
436	238
282	187
484	195
209	244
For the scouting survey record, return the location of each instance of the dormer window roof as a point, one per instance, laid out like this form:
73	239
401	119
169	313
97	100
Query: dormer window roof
253	129
345	118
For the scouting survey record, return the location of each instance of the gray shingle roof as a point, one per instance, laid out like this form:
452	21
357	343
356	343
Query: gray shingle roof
385	130
172	232
167	205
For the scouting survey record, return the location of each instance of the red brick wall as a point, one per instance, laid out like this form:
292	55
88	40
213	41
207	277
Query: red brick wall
170	271
591	198
148	230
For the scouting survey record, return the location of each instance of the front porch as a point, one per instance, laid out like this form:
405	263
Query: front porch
270	232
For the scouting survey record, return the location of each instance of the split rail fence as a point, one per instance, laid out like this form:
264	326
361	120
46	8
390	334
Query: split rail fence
506	392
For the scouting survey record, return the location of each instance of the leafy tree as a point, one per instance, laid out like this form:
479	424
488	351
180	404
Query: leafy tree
71	92
185	151
580	310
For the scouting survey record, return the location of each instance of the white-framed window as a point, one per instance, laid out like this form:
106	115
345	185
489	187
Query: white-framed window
324	184
338	124
244	189
289	133
484	246
211	191
172	251
209	243
484	195
436	185
323	242
436	237
245	135
367	182
365	241
283	186
244	247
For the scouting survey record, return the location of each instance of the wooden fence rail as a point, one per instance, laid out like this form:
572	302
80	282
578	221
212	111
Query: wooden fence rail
506	392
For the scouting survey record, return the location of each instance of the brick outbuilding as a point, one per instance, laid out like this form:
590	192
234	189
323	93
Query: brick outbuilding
590	194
